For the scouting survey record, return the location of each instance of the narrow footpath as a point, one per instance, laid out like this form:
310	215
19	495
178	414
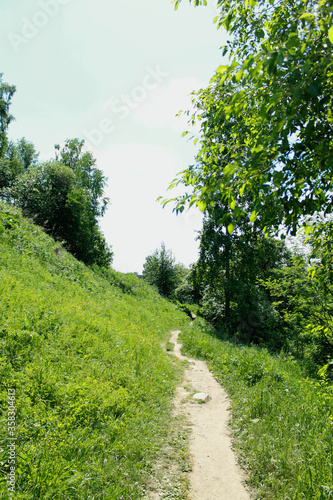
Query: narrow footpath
215	474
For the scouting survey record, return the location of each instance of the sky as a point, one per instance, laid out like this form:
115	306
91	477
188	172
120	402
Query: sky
115	73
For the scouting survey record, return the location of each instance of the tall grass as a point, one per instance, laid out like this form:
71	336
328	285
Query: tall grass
281	421
92	384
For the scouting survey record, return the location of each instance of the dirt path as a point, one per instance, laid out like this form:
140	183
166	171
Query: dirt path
215	474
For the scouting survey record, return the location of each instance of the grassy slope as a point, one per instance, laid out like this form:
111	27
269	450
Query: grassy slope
93	385
282	422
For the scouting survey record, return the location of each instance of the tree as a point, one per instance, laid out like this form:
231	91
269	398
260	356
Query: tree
277	91
266	137
87	174
6	93
67	204
305	309
161	270
64	196
42	193
25	153
228	271
17	159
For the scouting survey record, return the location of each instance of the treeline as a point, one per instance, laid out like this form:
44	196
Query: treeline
63	195
254	289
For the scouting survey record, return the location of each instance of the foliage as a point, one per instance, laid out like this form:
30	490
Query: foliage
17	159
161	270
65	198
88	176
6	93
227	276
281	421
320	239
92	384
25	152
276	93
184	292
304	304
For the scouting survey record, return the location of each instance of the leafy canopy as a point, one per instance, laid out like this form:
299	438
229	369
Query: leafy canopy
267	116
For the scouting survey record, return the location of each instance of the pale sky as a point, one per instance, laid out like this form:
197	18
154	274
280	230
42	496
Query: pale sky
115	73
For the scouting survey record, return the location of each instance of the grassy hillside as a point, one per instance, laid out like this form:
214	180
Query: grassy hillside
282	421
86	387
83	376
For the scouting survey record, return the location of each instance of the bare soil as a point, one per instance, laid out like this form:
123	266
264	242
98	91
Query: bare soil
214	473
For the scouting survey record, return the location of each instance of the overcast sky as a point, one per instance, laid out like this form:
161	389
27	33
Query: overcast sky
115	73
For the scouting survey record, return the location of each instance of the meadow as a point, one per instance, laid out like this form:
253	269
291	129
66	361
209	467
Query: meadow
81	358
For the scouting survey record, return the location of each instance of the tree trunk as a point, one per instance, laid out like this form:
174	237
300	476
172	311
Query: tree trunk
227	279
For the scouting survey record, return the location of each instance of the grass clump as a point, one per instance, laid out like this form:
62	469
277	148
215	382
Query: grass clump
169	346
81	349
282	421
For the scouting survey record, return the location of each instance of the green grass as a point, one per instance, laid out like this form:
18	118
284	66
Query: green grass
281	421
169	346
82	349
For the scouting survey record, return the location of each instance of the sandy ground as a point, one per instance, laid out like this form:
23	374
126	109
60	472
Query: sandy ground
215	474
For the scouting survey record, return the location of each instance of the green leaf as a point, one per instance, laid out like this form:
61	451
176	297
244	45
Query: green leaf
239	75
312	90
307	230
253	216
257	149
280	126
241	191
228	169
306	15
330	34
231	227
201	205
233	205
192	200
222	69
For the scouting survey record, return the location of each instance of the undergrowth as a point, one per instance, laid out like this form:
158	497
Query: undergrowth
281	420
80	350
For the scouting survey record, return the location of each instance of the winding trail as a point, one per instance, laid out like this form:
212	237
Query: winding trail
215	474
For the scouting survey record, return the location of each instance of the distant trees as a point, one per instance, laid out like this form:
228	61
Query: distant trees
225	281
6	93
161	270
17	158
87	175
63	195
